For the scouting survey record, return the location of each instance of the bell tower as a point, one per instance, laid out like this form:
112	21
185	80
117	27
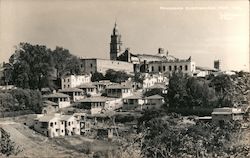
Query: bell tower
115	44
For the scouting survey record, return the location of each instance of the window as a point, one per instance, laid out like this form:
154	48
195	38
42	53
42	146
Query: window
68	80
91	65
170	68
159	68
152	68
62	122
164	68
55	123
175	67
62	131
181	67
69	123
51	124
186	67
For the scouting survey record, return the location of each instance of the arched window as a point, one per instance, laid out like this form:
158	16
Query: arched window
170	68
152	68
164	68
186	67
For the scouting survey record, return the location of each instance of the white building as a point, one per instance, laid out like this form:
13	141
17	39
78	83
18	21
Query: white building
139	102
227	114
88	89
55	125
152	79
73	81
97	105
170	66
74	93
118	91
61	99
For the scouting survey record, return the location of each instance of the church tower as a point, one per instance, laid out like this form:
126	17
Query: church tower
115	44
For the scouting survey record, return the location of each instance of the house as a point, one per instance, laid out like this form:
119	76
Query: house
118	90
61	99
160	86
227	114
133	102
152	79
203	71
154	101
55	125
49	107
74	93
73	81
85	124
88	89
95	105
101	85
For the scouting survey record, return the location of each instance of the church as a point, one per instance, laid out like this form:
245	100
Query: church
130	62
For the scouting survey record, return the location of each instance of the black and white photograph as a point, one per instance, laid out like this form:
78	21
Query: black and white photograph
124	79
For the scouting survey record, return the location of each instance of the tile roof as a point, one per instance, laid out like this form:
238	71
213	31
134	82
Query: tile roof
56	95
93	99
47	102
86	85
65	117
118	86
70	90
45	118
158	86
154	97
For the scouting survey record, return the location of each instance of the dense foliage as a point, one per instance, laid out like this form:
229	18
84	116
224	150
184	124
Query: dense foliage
7	146
112	75
65	63
116	76
176	136
20	99
36	66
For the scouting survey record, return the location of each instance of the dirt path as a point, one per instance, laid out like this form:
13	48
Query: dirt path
34	144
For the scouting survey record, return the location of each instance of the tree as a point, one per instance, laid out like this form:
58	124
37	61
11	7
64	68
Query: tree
177	94
97	76
7	146
224	90
27	99
32	66
116	76
65	63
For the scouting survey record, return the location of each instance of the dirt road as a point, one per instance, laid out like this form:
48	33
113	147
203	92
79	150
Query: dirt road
33	144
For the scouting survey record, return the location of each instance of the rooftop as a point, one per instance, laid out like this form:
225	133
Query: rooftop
87	85
56	95
154	97
118	86
70	90
93	99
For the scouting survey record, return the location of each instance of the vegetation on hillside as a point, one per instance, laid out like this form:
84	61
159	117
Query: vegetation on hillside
36	66
175	136
20	99
7	146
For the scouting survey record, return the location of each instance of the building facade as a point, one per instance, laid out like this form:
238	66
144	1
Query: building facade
93	65
73	81
56	125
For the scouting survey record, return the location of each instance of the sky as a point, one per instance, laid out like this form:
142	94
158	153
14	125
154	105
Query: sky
205	30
